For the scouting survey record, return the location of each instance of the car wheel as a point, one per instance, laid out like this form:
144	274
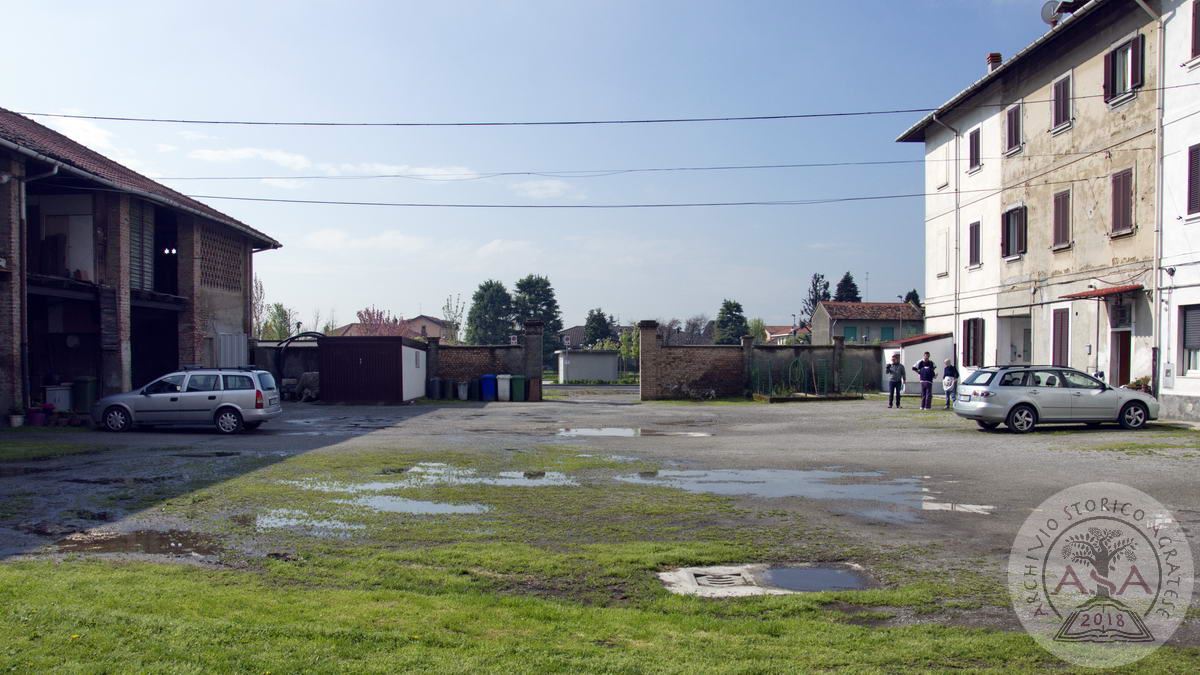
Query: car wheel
1134	415
117	419
1021	419
987	426
229	421
251	426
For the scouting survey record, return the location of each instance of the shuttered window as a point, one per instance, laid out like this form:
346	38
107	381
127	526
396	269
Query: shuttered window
1013	233
972	343
1122	201
1193	180
1012	128
1190	318
973	244
141	245
1195	28
1061	337
1061	102
973	146
1062	218
1124	68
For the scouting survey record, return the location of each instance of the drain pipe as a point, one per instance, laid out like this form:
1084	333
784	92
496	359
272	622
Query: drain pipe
22	238
957	231
1159	213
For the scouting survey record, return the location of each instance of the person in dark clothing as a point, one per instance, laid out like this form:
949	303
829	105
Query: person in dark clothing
896	376
926	370
950	382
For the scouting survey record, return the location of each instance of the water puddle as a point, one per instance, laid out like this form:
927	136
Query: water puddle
626	432
389	504
431	474
279	519
152	542
735	581
208	454
810	579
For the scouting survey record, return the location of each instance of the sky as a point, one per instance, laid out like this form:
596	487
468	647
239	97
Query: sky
528	60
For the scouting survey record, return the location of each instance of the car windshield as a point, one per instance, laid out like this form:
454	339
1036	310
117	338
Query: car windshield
980	377
267	380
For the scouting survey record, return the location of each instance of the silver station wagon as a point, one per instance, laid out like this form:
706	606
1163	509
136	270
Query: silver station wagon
1022	397
232	399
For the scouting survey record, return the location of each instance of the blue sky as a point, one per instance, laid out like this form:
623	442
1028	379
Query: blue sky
452	61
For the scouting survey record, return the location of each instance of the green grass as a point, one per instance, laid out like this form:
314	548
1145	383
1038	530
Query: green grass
18	447
731	400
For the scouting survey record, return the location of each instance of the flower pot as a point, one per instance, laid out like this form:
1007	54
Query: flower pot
15	421
35	419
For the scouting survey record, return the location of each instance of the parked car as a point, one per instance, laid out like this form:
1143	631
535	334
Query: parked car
1021	397
232	399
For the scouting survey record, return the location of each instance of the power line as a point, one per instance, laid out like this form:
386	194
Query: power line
542	123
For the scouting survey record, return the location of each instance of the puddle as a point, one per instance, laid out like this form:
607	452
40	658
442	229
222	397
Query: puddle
735	581
625	432
895	500
810	579
389	504
153	542
126	480
292	519
428	474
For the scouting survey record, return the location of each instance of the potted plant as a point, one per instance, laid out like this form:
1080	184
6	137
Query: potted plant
16	417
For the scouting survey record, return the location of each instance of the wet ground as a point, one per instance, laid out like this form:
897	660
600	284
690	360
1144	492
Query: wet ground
892	477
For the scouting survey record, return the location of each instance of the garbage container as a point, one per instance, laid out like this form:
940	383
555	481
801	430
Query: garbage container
518	387
487	388
83	394
504	387
434	388
448	389
473	390
462	390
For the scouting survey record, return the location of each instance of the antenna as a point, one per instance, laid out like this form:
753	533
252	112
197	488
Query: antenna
1050	13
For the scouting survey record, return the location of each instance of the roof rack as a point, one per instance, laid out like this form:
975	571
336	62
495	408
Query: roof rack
241	368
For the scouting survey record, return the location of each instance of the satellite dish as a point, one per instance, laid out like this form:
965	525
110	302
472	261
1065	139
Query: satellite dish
1050	13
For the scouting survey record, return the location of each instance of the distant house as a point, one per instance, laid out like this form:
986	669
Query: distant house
422	326
865	322
573	337
427	326
782	335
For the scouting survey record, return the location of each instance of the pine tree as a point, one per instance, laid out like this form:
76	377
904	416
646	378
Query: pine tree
490	320
818	290
731	324
534	299
913	297
597	327
847	290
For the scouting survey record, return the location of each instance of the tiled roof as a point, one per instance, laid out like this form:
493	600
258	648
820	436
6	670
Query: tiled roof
31	136
1102	292
918	339
872	311
364	330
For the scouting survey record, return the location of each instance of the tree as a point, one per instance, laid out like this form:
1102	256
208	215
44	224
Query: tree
913	297
330	323
379	322
631	347
607	344
731	324
452	315
847	290
534	299
490	321
695	325
258	307
596	327
818	290
279	323
757	328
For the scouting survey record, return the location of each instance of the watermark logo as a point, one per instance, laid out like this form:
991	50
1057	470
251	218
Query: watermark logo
1101	575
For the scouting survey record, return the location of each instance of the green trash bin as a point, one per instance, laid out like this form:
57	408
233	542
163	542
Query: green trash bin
83	394
518	387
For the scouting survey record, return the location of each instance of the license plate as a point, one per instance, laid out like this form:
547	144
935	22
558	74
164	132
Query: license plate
274	400
965	398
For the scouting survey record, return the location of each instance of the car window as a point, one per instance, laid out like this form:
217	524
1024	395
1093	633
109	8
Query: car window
1045	379
1080	381
980	377
267	381
204	383
238	382
171	384
1014	378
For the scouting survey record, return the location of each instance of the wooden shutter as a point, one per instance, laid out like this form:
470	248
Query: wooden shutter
973	243
1013	128
1191	327
1193	178
1122	201
1109	72
978	342
1061	328
1062	218
1137	58
1004	227
141	245
968	342
1062	102
974	149
1195	28
1022	230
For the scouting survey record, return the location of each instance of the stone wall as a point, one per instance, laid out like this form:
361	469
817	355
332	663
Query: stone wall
463	363
12	312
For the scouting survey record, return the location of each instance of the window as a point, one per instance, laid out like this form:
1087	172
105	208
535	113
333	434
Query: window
1061	103
1045	379
947	162
1193	179
1190	320
416	358
887	334
1060	337
980	377
238	382
267	381
942	253
170	384
1080	381
973	244
850	333
1015	378
1123	71
1062	219
1122	201
973	150
204	383
1195	28
973	342
1012	128
1013	233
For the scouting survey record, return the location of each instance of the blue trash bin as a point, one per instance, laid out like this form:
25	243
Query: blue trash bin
487	387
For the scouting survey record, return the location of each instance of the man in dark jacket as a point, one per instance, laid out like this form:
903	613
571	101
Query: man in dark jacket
926	370
950	382
896	377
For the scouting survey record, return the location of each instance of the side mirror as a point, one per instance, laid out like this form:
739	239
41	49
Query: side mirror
145	392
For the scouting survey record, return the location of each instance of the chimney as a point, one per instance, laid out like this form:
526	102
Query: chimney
994	60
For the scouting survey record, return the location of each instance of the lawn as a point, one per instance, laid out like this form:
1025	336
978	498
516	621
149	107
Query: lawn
554	577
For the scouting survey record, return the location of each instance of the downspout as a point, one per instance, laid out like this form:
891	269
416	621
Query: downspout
957	230
1159	211
22	239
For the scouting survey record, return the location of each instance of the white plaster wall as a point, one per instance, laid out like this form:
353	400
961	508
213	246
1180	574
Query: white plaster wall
415	370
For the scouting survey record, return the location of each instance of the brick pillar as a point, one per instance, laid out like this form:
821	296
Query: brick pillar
533	359
839	346
649	351
748	364
116	363
191	319
248	292
12	307
433	356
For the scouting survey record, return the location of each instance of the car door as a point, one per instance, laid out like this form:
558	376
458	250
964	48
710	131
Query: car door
1091	399
1053	398
200	397
159	401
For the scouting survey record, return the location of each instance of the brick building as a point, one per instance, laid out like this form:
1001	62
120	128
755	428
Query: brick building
106	274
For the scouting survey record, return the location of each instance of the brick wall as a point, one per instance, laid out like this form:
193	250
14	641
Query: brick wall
688	371
463	363
11	313
191	319
116	362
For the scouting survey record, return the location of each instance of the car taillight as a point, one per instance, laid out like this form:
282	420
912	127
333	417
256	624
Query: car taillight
983	393
258	399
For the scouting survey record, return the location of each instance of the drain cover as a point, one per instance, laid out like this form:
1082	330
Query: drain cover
721	580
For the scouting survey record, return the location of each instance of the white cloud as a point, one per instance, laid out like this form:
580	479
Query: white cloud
285	183
333	239
505	247
196	135
382	168
548	188
288	160
165	147
97	138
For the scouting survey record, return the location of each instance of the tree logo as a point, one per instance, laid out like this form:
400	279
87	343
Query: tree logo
1101	574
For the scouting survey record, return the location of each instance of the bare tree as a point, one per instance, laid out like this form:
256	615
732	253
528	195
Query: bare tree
380	322
258	307
452	314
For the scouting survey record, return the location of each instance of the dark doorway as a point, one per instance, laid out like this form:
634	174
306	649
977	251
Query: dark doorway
64	341
1062	337
154	343
1119	361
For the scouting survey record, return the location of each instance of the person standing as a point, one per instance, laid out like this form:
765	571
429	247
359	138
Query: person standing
926	370
896	377
950	382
